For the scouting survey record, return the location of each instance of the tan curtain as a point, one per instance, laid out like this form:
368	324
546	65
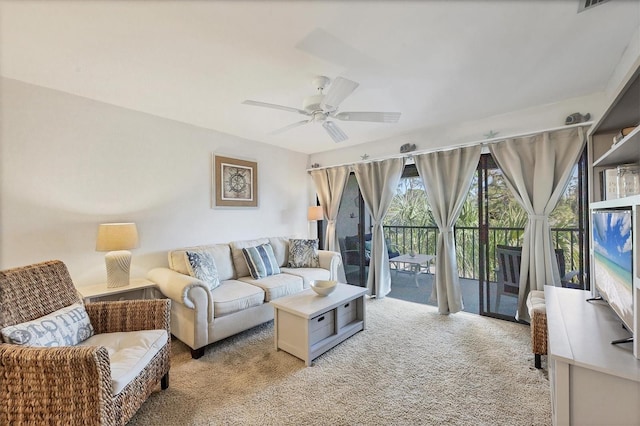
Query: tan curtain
378	182
447	176
537	169
330	184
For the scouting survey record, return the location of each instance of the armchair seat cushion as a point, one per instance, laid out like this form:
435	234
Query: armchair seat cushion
129	352
234	296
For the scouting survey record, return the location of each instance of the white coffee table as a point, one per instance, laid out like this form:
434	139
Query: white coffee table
307	325
417	264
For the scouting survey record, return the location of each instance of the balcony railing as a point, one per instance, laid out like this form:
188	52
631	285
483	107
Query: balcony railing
422	239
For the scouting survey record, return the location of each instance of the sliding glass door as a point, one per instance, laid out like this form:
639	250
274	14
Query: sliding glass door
351	226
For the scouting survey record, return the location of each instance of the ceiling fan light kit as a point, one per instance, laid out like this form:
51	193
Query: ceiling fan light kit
322	106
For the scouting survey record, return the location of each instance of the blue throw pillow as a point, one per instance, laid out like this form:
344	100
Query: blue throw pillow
261	261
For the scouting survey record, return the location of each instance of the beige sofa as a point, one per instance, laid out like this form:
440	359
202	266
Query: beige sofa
200	316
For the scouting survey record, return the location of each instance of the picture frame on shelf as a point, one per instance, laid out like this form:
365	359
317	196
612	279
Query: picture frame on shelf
235	182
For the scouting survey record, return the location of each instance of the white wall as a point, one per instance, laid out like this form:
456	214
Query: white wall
431	139
69	163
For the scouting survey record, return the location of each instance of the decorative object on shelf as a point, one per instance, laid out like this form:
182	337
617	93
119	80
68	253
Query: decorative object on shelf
323	287
491	134
315	165
364	156
628	180
407	147
576	118
622	133
609	183
117	239
235	182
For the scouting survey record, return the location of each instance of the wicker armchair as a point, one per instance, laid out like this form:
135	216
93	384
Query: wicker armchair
71	384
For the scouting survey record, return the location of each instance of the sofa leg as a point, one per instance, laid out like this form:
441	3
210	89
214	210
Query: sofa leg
538	361
164	382
197	353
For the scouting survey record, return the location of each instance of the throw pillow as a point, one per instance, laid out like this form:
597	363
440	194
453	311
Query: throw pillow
303	254
201	265
261	261
64	327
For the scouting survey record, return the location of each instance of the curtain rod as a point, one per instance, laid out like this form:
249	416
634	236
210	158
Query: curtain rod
463	145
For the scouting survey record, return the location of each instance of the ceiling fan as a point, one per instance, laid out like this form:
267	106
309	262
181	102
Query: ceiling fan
322	107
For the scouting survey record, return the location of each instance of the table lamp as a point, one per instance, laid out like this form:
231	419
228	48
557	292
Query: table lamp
117	239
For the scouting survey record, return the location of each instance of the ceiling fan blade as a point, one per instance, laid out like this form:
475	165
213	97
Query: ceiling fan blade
290	126
381	117
274	106
338	91
334	131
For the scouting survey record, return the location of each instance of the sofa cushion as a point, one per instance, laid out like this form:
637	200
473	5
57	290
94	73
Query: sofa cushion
280	247
261	261
202	266
129	352
277	285
303	253
65	327
240	264
221	254
234	296
308	274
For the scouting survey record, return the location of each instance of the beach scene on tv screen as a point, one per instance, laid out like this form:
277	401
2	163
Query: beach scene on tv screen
612	239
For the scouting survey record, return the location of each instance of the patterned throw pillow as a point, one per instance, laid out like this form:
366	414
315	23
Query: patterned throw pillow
64	327
261	261
303	254
201	265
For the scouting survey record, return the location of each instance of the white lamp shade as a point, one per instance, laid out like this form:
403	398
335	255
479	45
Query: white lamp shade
117	236
315	213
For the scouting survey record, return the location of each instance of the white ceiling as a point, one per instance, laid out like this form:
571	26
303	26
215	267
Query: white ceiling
437	62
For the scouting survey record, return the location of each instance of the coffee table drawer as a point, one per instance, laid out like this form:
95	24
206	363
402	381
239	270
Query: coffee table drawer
321	327
347	313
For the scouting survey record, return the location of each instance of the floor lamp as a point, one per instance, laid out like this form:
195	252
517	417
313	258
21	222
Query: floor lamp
314	214
117	239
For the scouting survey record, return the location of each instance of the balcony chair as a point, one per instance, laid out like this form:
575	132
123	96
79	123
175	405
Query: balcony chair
508	272
102	380
350	247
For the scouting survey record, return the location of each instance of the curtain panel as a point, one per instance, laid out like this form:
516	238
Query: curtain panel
537	170
378	182
330	184
447	177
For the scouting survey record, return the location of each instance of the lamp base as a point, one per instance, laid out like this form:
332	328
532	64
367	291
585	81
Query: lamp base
118	264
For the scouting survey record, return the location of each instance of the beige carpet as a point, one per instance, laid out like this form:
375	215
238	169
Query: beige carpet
410	366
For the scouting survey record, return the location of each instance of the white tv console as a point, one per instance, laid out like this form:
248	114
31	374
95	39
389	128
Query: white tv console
592	381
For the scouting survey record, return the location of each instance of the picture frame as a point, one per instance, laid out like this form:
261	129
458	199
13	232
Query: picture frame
235	182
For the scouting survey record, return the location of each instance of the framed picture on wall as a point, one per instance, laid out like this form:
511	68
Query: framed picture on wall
235	182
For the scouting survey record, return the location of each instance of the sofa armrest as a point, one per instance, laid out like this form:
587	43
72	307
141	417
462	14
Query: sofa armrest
39	383
129	315
184	289
330	260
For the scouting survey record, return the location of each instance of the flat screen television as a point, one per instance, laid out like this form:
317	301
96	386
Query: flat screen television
612	265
